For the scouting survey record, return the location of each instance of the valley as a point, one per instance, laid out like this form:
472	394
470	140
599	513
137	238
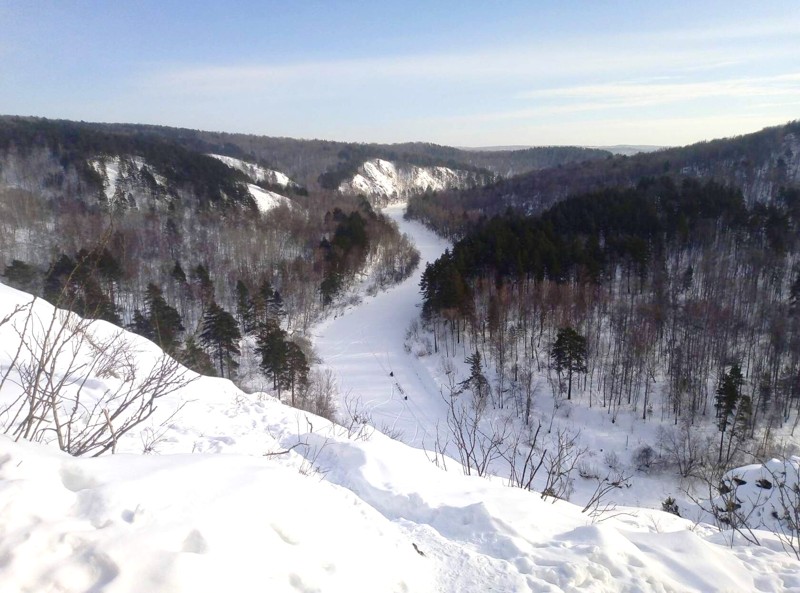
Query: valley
368	362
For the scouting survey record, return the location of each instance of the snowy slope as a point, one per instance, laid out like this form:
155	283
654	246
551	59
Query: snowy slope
256	172
380	178
298	504
267	200
121	176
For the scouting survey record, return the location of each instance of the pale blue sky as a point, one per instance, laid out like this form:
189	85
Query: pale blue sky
462	73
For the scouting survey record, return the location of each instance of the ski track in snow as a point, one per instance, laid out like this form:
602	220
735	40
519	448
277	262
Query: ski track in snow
364	348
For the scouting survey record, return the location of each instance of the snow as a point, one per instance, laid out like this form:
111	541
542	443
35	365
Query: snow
267	200
115	170
243	493
380	178
256	172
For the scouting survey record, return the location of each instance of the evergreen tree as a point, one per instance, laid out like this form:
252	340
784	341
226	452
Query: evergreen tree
729	393
569	354
141	325
195	358
296	371
477	382
221	334
178	274
794	296
164	319
203	284
245	310
271	345
22	276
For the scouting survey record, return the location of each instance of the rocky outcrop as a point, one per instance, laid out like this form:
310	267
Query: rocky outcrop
385	181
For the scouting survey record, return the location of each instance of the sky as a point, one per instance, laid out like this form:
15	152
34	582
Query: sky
466	73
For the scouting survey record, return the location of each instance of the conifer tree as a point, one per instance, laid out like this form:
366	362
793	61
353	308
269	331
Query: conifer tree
221	334
296	369
164	320
271	345
245	310
729	393
569	354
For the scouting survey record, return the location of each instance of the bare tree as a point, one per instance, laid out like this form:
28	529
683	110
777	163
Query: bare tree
559	462
56	368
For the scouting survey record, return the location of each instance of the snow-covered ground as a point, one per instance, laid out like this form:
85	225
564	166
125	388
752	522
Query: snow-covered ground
364	348
242	493
402	392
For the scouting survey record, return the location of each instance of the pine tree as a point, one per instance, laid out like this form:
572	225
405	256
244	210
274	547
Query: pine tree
477	382
204	285
221	334
569	354
195	358
729	393
296	371
794	296
245	310
271	345
164	319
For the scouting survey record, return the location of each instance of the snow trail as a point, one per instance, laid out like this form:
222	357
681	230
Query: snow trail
364	348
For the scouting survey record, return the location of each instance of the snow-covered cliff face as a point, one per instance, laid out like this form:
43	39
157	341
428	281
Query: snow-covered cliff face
128	181
386	181
256	172
123	181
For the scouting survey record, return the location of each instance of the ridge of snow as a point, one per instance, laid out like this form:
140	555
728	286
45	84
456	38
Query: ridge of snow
256	172
378	177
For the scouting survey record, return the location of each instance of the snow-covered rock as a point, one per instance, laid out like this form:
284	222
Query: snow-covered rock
257	173
384	179
267	200
122	178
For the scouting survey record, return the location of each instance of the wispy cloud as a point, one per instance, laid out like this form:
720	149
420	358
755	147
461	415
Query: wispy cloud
512	64
636	94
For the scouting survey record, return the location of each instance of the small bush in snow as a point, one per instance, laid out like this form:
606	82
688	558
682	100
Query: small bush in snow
611	459
644	457
588	470
670	506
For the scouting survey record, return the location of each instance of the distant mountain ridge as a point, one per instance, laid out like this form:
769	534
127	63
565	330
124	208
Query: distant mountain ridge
759	164
324	164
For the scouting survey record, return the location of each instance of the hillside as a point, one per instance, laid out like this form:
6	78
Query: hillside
149	234
297	504
758	164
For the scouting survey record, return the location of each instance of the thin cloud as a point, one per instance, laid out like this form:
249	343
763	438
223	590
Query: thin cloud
517	65
633	94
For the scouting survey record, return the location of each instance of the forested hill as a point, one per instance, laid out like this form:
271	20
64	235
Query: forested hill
323	163
758	164
667	287
156	235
